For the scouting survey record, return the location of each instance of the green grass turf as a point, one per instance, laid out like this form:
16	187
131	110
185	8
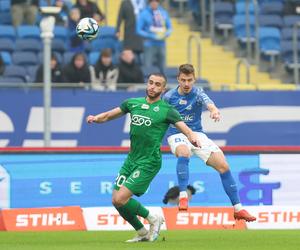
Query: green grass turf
183	240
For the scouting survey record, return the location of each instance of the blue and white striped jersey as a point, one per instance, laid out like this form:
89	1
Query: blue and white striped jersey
189	106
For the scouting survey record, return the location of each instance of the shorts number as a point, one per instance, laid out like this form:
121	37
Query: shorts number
120	180
177	139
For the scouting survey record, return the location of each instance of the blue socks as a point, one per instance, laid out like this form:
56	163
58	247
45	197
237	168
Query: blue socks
230	187
182	170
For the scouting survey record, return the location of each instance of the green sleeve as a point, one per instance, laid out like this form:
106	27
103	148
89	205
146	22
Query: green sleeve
173	116
124	106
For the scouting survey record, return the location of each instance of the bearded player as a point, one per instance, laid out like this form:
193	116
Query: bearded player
150	119
189	100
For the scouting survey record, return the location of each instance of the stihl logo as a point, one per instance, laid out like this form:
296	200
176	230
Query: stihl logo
51	219
114	219
204	219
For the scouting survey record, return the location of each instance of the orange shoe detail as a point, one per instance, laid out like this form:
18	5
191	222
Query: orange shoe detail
183	204
244	215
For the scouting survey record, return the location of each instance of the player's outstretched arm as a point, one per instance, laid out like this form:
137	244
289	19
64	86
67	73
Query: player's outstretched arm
193	138
105	116
214	112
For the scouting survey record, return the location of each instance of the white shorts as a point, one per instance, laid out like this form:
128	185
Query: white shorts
207	145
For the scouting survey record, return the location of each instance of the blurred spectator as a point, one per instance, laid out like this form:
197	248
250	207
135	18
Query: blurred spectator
62	17
89	9
154	25
128	12
77	71
24	10
105	74
129	70
2	65
56	71
76	44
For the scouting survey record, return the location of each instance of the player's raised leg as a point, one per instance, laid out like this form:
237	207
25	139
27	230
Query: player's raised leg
217	161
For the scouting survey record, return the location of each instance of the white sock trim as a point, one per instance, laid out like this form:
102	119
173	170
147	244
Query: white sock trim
183	194
238	207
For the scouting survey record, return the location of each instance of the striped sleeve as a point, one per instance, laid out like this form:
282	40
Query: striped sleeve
203	97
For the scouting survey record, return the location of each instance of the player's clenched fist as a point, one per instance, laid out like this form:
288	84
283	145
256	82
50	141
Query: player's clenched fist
91	119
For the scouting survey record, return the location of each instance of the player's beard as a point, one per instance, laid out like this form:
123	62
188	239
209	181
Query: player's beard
154	96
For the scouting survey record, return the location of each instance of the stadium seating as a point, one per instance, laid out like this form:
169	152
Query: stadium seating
16	72
271	21
61	32
269	42
31	71
28	44
239	22
6	57
287	34
107	32
271	8
67	57
224	12
240	8
7	45
290	20
59	45
93	57
7	31
5	18
24	58
11	80
100	44
28	31
58	56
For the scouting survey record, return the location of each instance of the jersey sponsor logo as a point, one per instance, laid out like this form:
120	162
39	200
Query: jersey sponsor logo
136	174
156	109
133	106
145	106
189	118
140	120
189	107
182	102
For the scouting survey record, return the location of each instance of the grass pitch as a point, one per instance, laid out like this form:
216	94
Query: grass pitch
169	240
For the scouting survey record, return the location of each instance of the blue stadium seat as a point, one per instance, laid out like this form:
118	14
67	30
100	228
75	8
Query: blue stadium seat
31	73
171	72
93	57
224	12
271	21
100	44
5	5
271	8
67	57
24	58
290	20
28	44
61	32
11	80
7	31
107	32
287	53
28	31
239	23
5	18
59	45
6	57
15	71
287	34
240	8
7	45
269	41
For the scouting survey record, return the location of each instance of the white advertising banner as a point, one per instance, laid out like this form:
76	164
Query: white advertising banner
275	217
284	169
108	218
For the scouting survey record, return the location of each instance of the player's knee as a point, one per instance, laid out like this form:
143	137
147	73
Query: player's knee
223	167
183	151
118	201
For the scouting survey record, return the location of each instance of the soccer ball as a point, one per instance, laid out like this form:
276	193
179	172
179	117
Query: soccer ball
87	28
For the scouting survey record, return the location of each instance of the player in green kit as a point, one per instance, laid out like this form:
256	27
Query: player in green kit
150	118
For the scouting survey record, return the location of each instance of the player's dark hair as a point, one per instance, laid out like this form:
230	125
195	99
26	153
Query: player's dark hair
186	69
160	75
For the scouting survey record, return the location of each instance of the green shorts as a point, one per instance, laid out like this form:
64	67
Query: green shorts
136	178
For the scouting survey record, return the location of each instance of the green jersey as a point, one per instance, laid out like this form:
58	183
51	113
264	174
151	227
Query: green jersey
149	123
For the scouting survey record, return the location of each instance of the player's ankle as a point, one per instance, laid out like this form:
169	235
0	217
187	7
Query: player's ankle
143	231
237	207
151	218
